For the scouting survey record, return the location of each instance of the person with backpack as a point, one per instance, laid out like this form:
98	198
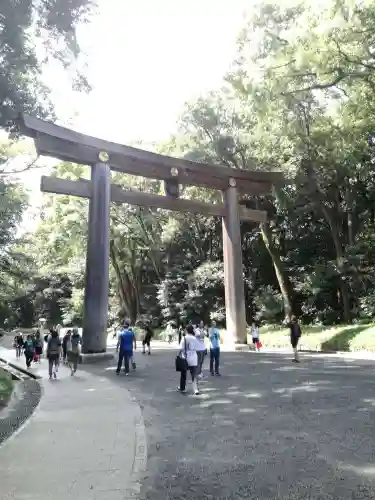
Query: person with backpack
28	349
53	353
74	350
125	343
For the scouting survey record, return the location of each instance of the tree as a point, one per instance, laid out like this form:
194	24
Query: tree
31	34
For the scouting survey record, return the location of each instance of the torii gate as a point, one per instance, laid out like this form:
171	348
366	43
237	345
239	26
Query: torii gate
104	156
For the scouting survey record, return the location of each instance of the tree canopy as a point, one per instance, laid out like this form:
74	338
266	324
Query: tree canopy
298	97
31	33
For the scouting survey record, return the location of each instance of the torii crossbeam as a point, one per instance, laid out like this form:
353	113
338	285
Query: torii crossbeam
104	156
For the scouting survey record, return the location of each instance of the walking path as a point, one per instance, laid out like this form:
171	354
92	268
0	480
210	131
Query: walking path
86	440
268	429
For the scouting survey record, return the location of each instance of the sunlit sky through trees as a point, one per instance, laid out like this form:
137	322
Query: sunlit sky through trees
145	59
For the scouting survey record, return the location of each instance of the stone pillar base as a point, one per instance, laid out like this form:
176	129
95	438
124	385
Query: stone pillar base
96	357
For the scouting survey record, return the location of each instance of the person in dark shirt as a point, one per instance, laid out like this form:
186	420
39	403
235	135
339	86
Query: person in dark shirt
147	340
295	335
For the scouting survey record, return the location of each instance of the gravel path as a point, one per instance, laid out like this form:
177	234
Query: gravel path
267	429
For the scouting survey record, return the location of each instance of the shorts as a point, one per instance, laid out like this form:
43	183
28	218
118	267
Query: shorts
146	342
255	340
294	341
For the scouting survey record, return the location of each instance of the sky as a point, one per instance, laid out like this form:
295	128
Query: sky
145	60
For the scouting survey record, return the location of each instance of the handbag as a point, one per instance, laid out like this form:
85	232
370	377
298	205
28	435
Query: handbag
181	363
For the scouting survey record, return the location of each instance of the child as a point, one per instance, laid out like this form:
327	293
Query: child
255	336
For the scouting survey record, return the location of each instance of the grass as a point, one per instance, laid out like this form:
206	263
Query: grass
6	387
359	337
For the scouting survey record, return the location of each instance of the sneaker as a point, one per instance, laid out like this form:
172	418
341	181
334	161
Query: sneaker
212	373
218	374
117	373
296	361
50	377
127	374
143	352
54	375
180	390
196	393
134	366
149	353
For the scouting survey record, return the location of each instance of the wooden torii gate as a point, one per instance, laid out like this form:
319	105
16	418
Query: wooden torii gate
104	156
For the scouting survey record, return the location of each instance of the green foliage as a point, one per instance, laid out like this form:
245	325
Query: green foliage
25	27
299	98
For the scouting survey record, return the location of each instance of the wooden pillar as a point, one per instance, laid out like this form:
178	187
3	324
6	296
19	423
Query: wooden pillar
97	263
233	270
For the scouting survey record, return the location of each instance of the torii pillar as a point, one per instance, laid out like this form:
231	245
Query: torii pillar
233	268
97	262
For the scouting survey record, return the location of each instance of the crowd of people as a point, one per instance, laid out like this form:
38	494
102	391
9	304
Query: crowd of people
66	349
195	341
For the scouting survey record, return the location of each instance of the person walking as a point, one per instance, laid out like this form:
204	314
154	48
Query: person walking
295	335
65	342
147	340
126	341
214	336
28	349
53	353
188	352
255	335
201	351
74	350
18	344
38	346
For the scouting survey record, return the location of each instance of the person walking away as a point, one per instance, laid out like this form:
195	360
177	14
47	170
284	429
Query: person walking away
38	345
147	340
18	344
255	335
295	335
188	350
28	349
201	351
53	353
65	343
214	336
74	350
126	341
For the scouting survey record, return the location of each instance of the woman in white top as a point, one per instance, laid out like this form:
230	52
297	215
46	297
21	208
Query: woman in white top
188	350
200	333
255	335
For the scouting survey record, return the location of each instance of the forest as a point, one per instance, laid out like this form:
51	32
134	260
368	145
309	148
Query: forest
299	97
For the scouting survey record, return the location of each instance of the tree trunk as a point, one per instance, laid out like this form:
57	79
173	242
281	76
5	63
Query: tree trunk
128	294
340	259
282	278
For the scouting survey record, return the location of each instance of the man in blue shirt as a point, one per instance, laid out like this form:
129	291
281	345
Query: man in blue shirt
214	336
126	340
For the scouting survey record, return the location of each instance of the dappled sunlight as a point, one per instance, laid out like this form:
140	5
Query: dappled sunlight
369	401
367	470
212	402
253	395
233	393
247	410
